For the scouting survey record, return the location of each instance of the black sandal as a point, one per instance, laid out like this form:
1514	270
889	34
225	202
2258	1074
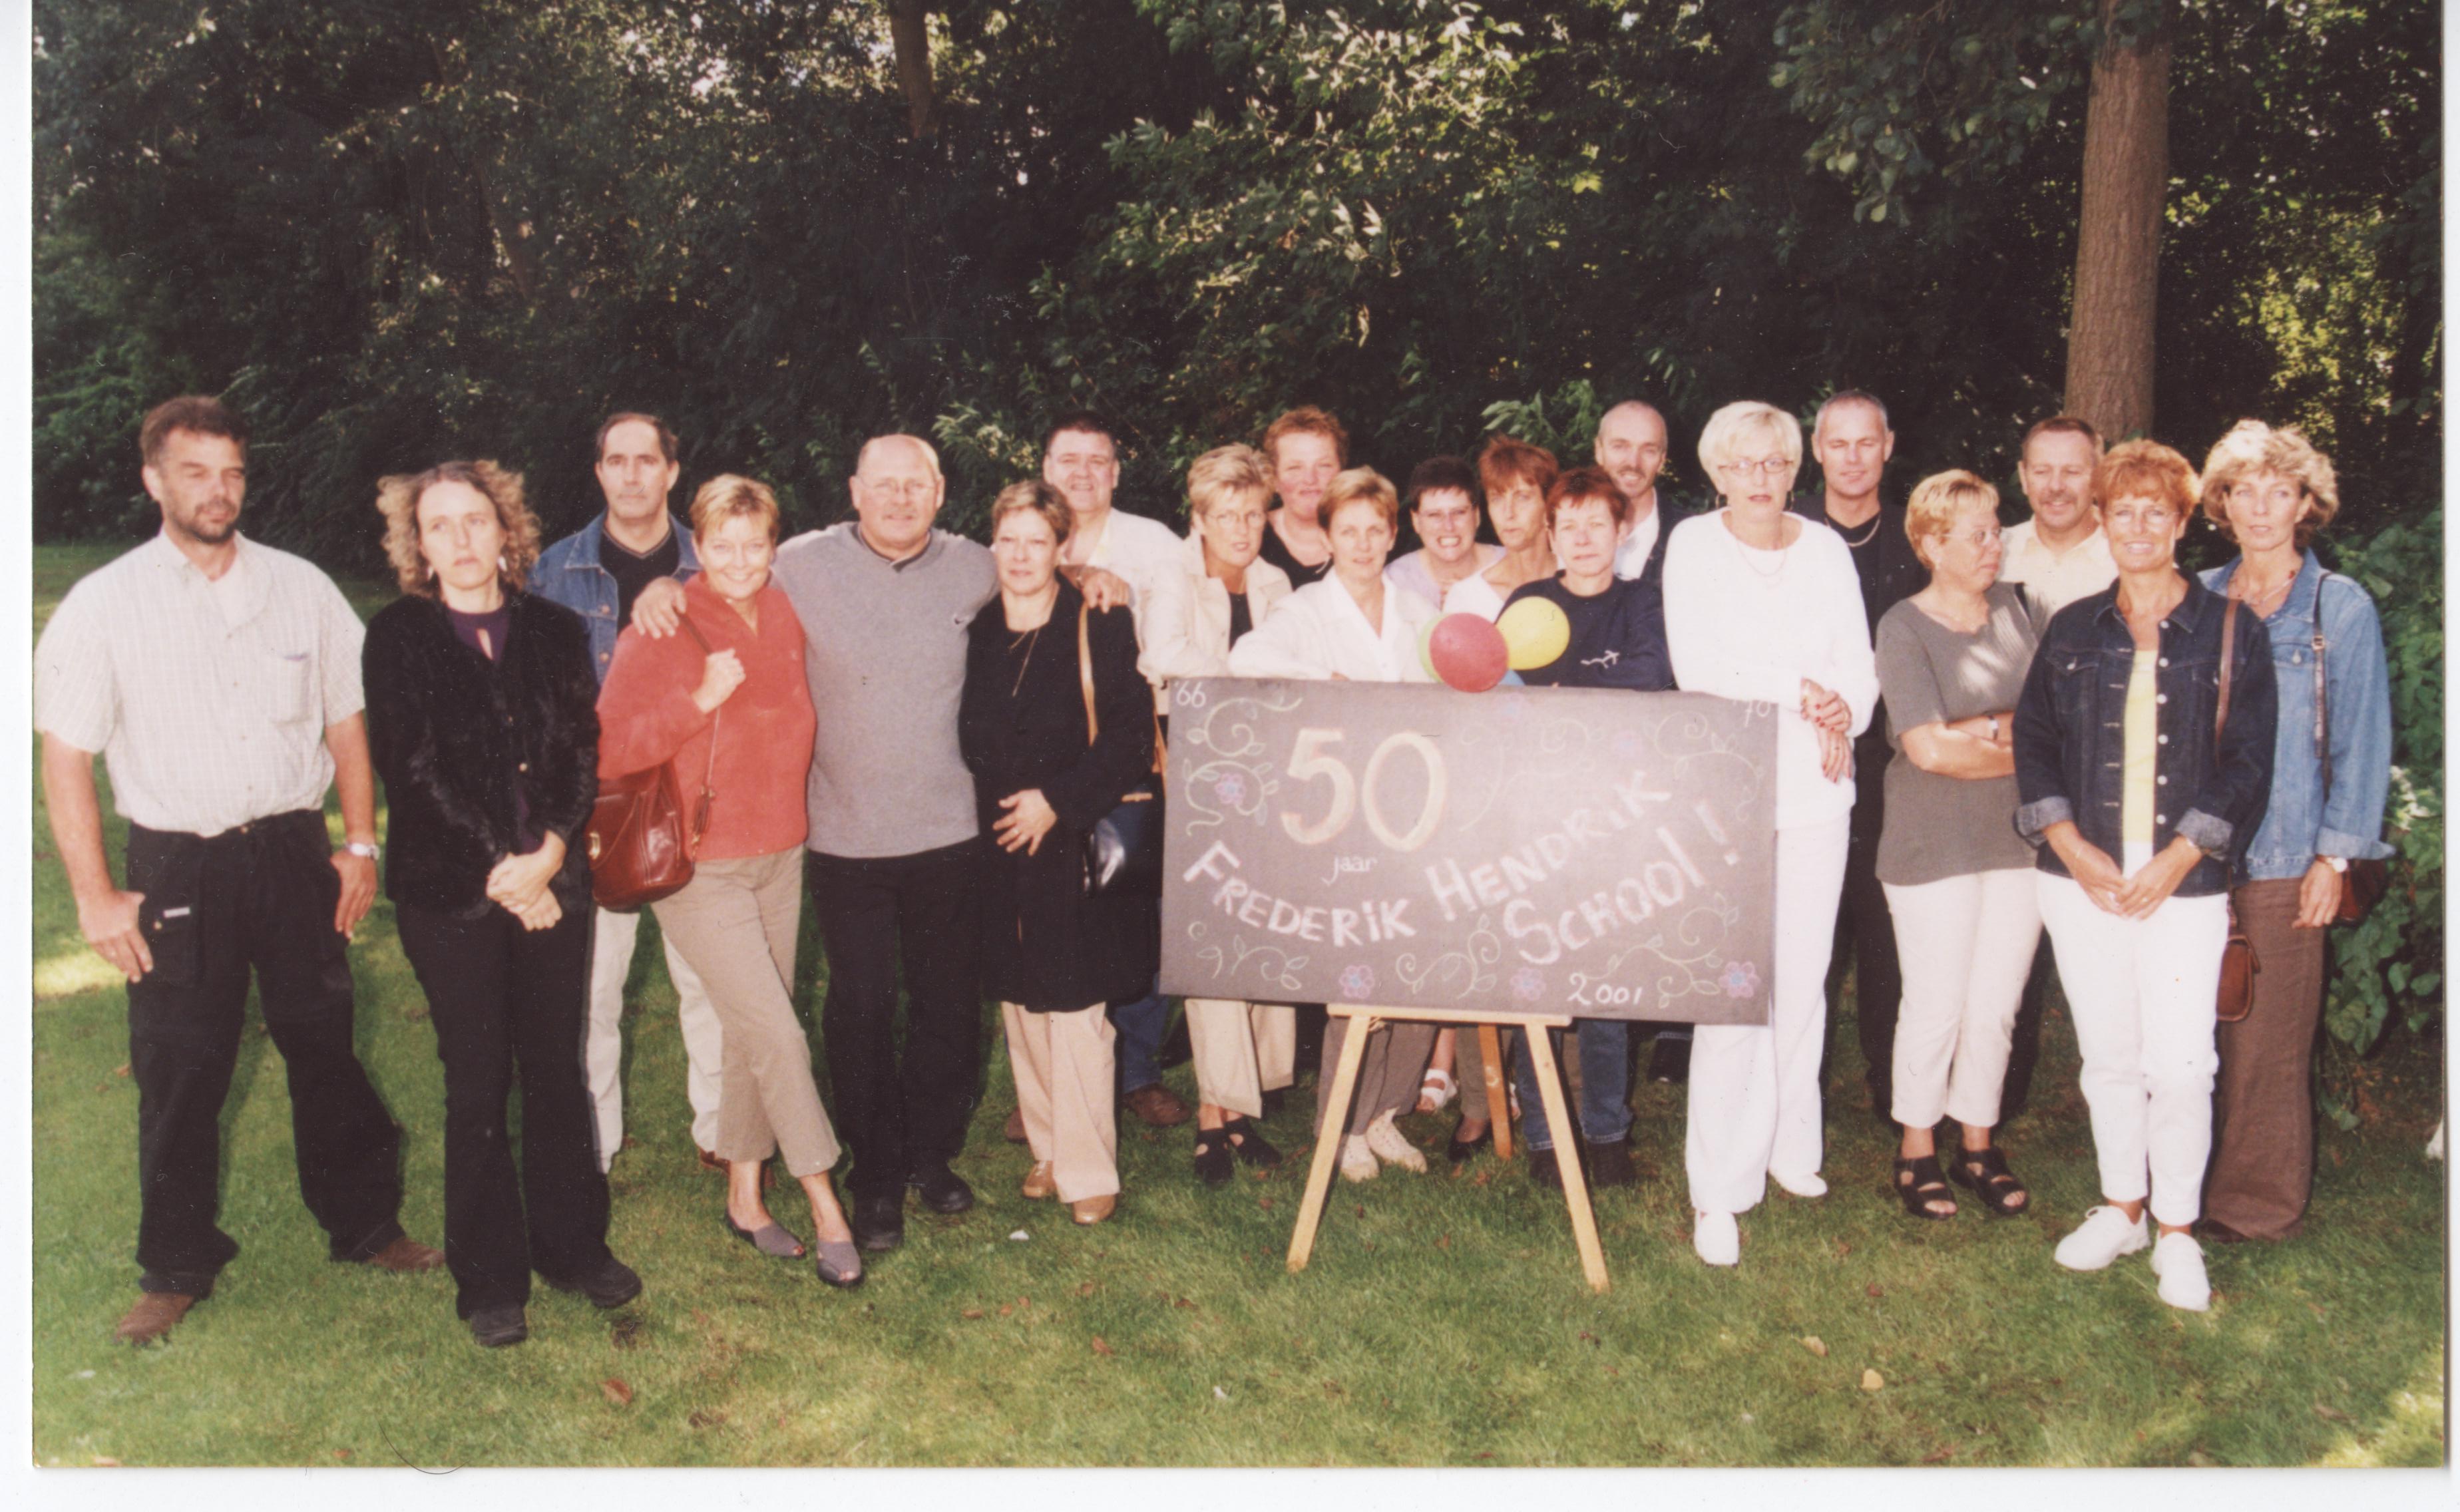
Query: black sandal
1212	1161
1985	1173
1920	1184
1249	1145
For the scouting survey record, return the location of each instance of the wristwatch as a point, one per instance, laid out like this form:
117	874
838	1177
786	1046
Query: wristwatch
1994	729
2340	864
364	849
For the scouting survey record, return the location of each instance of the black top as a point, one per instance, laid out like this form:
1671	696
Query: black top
634	571
1883	555
1278	555
1617	637
1241	618
1045	945
480	758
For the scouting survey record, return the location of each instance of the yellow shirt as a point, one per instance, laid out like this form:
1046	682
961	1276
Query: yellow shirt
2141	730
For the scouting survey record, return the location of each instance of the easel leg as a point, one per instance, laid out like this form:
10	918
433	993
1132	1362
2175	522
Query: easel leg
1498	1101
1327	1144
1576	1186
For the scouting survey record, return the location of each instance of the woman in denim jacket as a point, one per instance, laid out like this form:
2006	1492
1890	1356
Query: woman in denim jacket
2142	809
2271	491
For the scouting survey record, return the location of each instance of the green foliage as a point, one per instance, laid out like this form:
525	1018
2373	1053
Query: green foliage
2388	971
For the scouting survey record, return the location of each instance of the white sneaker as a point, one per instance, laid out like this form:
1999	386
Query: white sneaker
2105	1235
1389	1144
1808	1185
1717	1238
1357	1161
2179	1262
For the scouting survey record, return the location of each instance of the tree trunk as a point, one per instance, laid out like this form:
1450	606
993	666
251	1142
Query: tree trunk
911	34
2118	233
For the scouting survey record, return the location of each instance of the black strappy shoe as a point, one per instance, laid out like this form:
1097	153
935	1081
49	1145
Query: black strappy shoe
1985	1173
1249	1143
1919	1183
1212	1161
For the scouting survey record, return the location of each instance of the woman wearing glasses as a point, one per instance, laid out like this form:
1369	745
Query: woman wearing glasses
1959	881
1764	606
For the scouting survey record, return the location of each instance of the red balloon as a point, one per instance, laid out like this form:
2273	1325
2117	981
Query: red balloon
1468	652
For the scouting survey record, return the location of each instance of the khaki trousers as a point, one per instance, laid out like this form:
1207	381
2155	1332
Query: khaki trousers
2263	1110
1063	1066
734	922
1243	1050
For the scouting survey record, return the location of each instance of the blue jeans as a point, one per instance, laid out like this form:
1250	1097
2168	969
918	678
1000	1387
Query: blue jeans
1606	1084
1140	1026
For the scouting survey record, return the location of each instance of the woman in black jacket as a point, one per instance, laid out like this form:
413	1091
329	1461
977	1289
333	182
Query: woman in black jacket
1037	663
483	718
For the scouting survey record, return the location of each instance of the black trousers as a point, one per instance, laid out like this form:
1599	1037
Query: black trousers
512	1004
256	898
900	1116
1862	916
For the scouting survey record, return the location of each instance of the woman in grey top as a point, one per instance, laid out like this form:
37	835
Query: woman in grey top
1952	661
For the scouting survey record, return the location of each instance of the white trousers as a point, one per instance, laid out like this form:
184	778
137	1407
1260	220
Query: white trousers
2142	993
611	966
1754	1099
1241	1050
1966	945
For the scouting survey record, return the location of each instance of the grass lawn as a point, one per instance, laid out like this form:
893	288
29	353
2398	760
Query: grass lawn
1443	1321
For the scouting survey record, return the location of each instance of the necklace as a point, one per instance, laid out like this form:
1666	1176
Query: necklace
1746	553
1027	642
1876	518
2243	589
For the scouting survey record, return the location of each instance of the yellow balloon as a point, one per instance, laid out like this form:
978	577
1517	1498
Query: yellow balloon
1535	633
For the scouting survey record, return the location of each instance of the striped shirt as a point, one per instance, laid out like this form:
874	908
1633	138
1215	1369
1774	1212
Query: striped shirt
208	700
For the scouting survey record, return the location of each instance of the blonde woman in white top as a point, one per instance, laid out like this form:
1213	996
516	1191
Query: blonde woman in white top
1763	605
1193	616
1354	626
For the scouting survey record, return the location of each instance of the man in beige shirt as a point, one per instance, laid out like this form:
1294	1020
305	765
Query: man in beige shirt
2060	554
220	680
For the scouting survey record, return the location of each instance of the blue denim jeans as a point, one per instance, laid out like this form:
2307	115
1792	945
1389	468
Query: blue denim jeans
1140	1026
1606	1083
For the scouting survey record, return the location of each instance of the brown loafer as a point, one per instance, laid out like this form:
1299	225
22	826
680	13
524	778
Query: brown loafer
1094	1209
406	1253
1158	1105
711	1160
1038	1181
154	1316
1013	1130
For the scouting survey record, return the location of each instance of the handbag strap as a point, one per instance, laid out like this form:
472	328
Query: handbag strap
2229	645
708	776
1085	672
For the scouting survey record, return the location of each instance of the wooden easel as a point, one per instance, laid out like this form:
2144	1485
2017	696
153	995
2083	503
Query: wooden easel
1364	1021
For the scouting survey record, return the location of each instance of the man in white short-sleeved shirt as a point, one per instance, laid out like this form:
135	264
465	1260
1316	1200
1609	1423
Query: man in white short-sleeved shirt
220	681
2060	554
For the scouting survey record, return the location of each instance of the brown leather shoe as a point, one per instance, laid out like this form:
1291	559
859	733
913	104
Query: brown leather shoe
1158	1105
406	1253
1038	1183
1013	1130
710	1160
1094	1209
154	1316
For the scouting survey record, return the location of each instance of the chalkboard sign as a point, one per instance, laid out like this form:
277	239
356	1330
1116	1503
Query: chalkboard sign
1603	854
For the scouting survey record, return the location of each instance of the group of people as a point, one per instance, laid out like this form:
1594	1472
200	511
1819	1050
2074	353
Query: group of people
1983	732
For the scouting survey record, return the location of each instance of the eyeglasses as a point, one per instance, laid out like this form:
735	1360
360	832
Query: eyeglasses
2143	516
1764	467
1986	535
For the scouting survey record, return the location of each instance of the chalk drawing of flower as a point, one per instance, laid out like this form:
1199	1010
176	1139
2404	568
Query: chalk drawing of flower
1528	984
1357	982
1231	788
1627	744
1742	979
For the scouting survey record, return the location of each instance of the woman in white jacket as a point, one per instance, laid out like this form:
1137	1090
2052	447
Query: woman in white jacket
1764	606
1193	616
1353	625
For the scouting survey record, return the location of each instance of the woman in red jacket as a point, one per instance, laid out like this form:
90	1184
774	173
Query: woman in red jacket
726	703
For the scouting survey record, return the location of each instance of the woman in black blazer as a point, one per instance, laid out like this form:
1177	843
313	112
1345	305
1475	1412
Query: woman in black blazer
483	719
1052	955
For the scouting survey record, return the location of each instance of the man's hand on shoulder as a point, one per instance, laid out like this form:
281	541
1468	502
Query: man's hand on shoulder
659	612
1103	589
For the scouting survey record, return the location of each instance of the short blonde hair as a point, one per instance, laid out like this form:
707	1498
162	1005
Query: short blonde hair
1034	496
728	497
1731	427
2253	447
397	497
1935	502
1225	474
1362	485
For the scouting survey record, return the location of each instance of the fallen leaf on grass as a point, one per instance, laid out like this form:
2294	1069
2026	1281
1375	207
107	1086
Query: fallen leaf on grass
1103	1349
1811	1342
1007	1308
625	1333
1939	1455
121	1072
1020	1236
1843	1249
1871	1381
1444	1243
341	1454
2331	1414
617	1392
972	1312
1086	1290
1485	1174
1218	1395
707	1420
1266	1202
1873	1291
106	1462
1183	1302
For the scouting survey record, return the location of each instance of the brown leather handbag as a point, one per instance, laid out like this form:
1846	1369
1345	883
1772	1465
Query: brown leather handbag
641	847
2239	964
